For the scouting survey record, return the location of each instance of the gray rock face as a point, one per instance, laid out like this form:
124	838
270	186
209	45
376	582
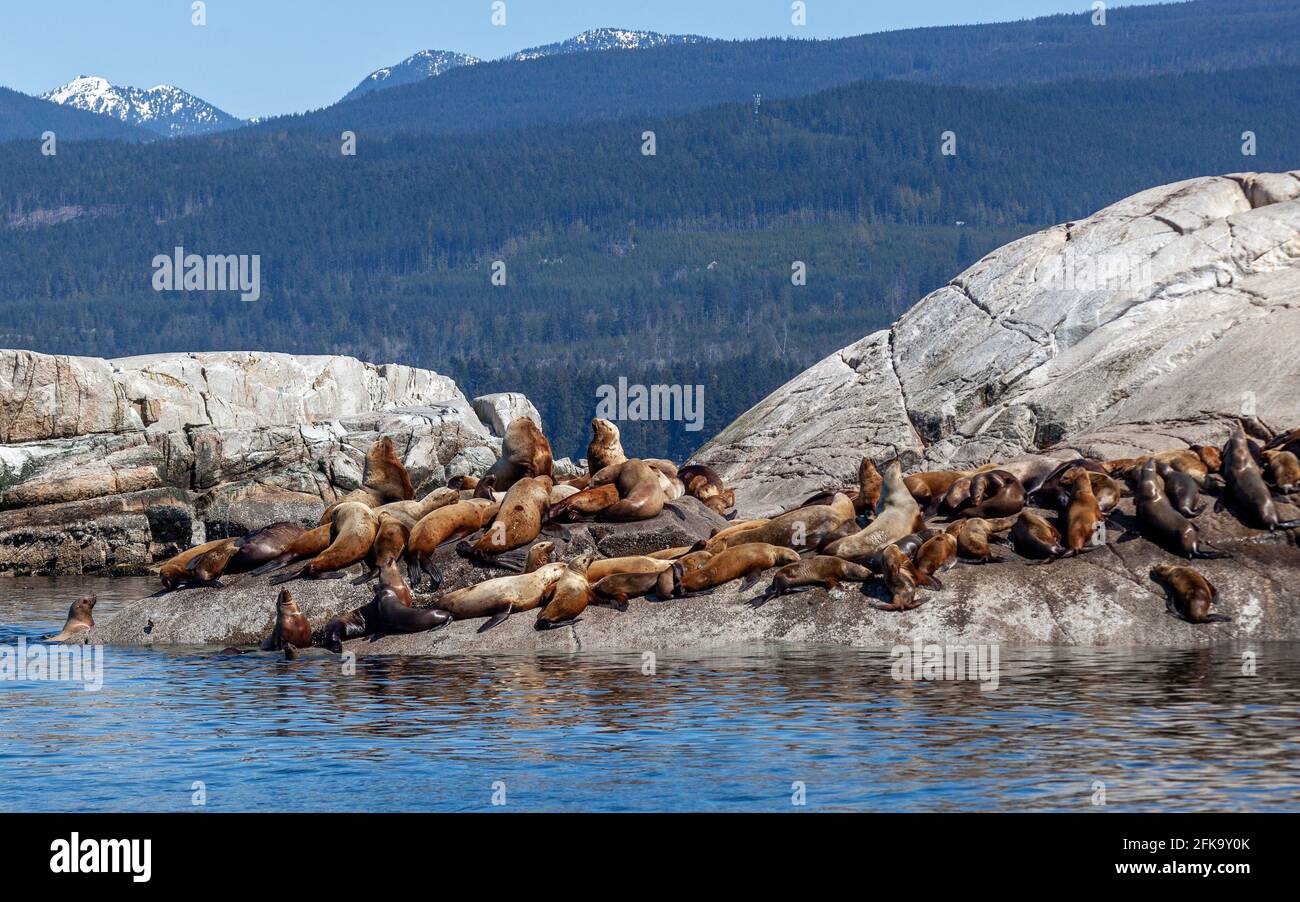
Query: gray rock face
1154	323
229	441
497	410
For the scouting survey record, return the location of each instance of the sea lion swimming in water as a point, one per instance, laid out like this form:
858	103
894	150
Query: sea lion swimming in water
822	570
78	624
1246	486
897	515
1190	593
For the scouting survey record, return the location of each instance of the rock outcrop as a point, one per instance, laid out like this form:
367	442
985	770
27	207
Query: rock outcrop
112	464
1154	323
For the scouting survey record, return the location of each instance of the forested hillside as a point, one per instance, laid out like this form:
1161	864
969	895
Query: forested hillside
673	268
24	118
1203	36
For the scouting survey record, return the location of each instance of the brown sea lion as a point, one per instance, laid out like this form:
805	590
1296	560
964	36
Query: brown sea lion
585	503
446	524
671	554
524	452
176	572
617	588
463	483
1190	593
570	596
801	529
497	598
391	535
899	575
1284	469
291	627
485	488
384	614
598	570
1084	521
1246	487
693	560
1054	491
352	533
1107	490
937	553
734	563
1285	441
897	515
385	480
1182	489
605	448
995	493
1158	522
264	545
929	487
1034	537
821	570
705	485
78	624
412	512
207	568
518	521
973	537
639	491
717	541
307	545
537	555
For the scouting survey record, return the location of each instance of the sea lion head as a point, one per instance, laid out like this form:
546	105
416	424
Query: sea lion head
1210	456
286	604
604	431
580	563
81	608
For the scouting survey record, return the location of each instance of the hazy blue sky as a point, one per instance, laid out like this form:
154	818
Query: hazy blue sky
261	57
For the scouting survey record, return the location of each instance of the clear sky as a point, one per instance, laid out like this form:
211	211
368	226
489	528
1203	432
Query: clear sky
262	57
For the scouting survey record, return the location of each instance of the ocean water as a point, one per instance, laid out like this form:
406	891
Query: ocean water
772	728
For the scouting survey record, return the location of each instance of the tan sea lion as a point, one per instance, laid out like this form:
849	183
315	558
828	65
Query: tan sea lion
524	452
570	596
291	628
385	480
518	521
705	485
735	563
352	533
463	483
497	598
617	588
1246	487
207	568
897	515
822	570
78	624
900	579
1284	469
598	570
412	512
929	487
937	553
175	572
391	535
446	524
1190	593
801	529
1083	518
605	448
973	537
1034	537
585	503
640	494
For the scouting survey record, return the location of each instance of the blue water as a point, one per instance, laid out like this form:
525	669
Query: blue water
1161	729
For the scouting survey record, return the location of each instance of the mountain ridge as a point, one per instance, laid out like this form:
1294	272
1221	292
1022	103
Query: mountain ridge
163	109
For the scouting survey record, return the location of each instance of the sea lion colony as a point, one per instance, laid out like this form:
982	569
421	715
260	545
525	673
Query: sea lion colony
902	530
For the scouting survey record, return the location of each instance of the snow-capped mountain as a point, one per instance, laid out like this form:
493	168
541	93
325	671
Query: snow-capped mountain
425	64
608	39
429	63
163	109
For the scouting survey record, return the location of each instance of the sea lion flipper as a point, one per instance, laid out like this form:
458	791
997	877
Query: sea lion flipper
497	619
1288	524
288	577
365	578
937	585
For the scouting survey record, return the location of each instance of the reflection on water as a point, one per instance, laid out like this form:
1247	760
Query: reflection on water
1168	730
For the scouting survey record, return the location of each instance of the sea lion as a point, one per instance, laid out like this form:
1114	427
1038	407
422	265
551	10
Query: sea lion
693	560
1197	461
518	521
909	544
207	568
734	563
412	512
598	570
1190	593
570	596
1054	491
1031	471
1034	537
485	488
1082	516
801	529
307	545
1182	490
385	480
820	570
264	545
352	533
972	537
1106	490
673	553
718	540
605	448
497	598
995	493
446	524
705	485
78	623
1285	441
1284	468
936	554
391	535
929	487
524	452
384	614
900	579
1246	486
463	483
1161	524
561	492
537	555
291	627
897	514
175	572
639	491
617	588
584	503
